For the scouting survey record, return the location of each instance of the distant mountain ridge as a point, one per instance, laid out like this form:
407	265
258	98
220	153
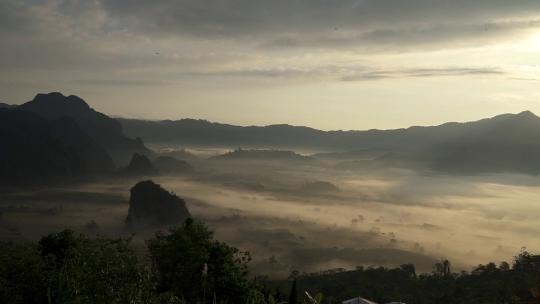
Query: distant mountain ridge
504	143
261	155
202	132
205	133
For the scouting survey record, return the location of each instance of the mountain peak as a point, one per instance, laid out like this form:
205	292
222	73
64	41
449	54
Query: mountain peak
57	99
527	113
526	117
105	130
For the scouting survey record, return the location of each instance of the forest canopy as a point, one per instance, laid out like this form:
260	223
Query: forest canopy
187	265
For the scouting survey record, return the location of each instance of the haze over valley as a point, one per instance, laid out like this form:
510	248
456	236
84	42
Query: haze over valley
378	198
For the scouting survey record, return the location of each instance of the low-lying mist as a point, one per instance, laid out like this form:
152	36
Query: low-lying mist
311	215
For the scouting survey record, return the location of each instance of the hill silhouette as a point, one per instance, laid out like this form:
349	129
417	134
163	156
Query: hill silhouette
139	165
150	204
105	130
37	150
259	154
205	133
171	165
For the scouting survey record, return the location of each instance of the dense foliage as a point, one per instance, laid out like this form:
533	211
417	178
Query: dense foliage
490	283
70	268
186	265
191	265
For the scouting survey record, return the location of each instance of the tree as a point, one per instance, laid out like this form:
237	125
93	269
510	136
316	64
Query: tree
70	268
409	269
442	269
190	264
98	270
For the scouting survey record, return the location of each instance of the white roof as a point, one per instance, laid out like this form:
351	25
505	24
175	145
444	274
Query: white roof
358	301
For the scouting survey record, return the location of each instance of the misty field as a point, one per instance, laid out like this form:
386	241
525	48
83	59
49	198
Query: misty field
312	216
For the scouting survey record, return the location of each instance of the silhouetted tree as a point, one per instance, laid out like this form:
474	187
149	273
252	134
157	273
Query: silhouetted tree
409	269
293	296
442	269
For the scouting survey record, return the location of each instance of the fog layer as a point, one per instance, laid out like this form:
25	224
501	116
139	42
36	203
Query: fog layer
312	215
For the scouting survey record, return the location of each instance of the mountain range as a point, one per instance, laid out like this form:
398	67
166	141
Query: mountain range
201	132
504	143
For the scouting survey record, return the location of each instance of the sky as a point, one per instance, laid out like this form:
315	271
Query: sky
328	64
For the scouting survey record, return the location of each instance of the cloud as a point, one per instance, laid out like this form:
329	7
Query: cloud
424	72
417	37
79	33
327	23
301	23
155	43
122	82
353	73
